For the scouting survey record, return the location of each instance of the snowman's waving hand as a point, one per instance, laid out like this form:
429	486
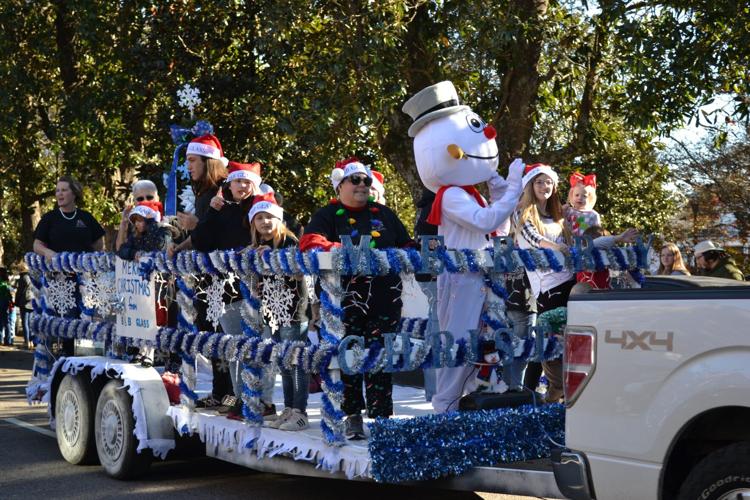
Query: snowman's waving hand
497	186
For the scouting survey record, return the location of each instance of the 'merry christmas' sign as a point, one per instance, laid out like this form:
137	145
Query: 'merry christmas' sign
137	318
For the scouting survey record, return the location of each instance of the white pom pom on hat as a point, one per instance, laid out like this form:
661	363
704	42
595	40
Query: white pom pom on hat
346	168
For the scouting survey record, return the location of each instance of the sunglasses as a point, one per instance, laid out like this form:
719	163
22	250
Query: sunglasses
148	197
367	181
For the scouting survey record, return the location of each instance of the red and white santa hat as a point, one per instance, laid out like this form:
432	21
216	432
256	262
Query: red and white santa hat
377	182
265	203
346	168
148	210
209	146
535	169
249	171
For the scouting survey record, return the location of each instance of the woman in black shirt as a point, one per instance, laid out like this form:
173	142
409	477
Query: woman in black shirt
68	228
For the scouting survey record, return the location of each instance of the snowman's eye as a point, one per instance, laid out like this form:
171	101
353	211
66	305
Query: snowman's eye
475	123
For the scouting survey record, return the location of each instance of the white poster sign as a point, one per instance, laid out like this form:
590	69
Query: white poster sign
138	316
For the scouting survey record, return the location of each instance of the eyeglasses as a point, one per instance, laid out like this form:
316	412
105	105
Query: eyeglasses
367	181
148	197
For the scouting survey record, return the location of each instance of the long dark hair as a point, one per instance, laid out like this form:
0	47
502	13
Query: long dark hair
214	173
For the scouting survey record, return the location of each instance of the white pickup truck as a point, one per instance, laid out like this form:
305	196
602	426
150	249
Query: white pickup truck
657	386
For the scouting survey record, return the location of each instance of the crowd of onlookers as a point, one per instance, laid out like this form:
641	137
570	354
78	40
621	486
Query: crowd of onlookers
236	210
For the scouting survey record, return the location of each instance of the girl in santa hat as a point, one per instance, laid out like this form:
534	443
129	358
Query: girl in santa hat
148	234
539	223
207	167
223	228
284	302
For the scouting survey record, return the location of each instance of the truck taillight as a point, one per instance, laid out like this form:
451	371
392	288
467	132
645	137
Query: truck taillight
579	360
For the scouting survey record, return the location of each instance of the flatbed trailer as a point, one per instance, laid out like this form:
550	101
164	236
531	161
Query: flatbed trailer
118	413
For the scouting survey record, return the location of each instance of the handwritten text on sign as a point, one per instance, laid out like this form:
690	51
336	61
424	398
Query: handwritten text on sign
138	316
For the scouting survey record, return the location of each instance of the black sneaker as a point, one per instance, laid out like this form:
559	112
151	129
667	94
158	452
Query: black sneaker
355	430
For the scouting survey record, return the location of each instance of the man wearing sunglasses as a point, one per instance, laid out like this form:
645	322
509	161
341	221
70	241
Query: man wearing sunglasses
372	304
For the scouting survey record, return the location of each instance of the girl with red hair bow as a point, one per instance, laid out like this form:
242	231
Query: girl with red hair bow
579	212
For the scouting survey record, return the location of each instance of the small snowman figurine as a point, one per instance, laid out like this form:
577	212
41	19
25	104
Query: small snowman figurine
455	149
490	374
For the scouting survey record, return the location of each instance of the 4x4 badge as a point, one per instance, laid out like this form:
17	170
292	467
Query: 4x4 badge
648	340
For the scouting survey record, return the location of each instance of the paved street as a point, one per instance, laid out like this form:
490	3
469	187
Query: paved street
31	465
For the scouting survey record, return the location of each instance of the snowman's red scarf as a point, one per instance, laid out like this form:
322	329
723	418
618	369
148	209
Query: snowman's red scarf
435	217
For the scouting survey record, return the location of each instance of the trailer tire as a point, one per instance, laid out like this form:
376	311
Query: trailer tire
74	420
114	426
725	473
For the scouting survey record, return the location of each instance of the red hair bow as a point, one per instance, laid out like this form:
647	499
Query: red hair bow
587	180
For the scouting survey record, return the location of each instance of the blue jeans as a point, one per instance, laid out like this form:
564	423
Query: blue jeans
294	382
26	324
12	316
521	322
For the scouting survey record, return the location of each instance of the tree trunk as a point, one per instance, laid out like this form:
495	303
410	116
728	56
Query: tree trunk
515	118
421	70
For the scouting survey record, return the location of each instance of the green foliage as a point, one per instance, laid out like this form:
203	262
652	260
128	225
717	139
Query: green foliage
89	87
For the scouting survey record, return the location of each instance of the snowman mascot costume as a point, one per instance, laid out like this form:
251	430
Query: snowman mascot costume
455	149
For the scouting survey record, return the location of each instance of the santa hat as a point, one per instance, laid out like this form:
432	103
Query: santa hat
535	169
346	168
148	210
377	182
249	171
265	188
265	203
209	146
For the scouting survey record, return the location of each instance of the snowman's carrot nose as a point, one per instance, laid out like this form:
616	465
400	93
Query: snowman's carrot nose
456	152
490	132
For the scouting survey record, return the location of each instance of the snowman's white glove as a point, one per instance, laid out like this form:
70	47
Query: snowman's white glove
497	186
515	173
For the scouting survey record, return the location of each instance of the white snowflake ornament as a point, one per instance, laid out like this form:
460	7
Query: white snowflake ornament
98	292
189	97
215	300
187	199
60	293
277	301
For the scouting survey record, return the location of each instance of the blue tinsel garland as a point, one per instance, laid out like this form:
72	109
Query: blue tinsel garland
450	444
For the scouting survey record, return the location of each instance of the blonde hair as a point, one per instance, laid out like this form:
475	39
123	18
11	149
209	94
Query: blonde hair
677	265
527	208
590	195
280	233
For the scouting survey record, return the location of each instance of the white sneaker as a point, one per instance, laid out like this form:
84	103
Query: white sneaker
283	416
296	421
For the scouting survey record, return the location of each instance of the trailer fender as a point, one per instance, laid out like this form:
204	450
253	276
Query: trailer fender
153	427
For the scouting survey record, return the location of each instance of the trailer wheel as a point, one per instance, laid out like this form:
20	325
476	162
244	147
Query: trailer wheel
74	421
721	475
114	426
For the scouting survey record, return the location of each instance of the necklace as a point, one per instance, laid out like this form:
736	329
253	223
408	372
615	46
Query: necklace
376	226
75	212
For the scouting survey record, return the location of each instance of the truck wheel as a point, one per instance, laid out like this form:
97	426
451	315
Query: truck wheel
722	475
74	421
114	426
